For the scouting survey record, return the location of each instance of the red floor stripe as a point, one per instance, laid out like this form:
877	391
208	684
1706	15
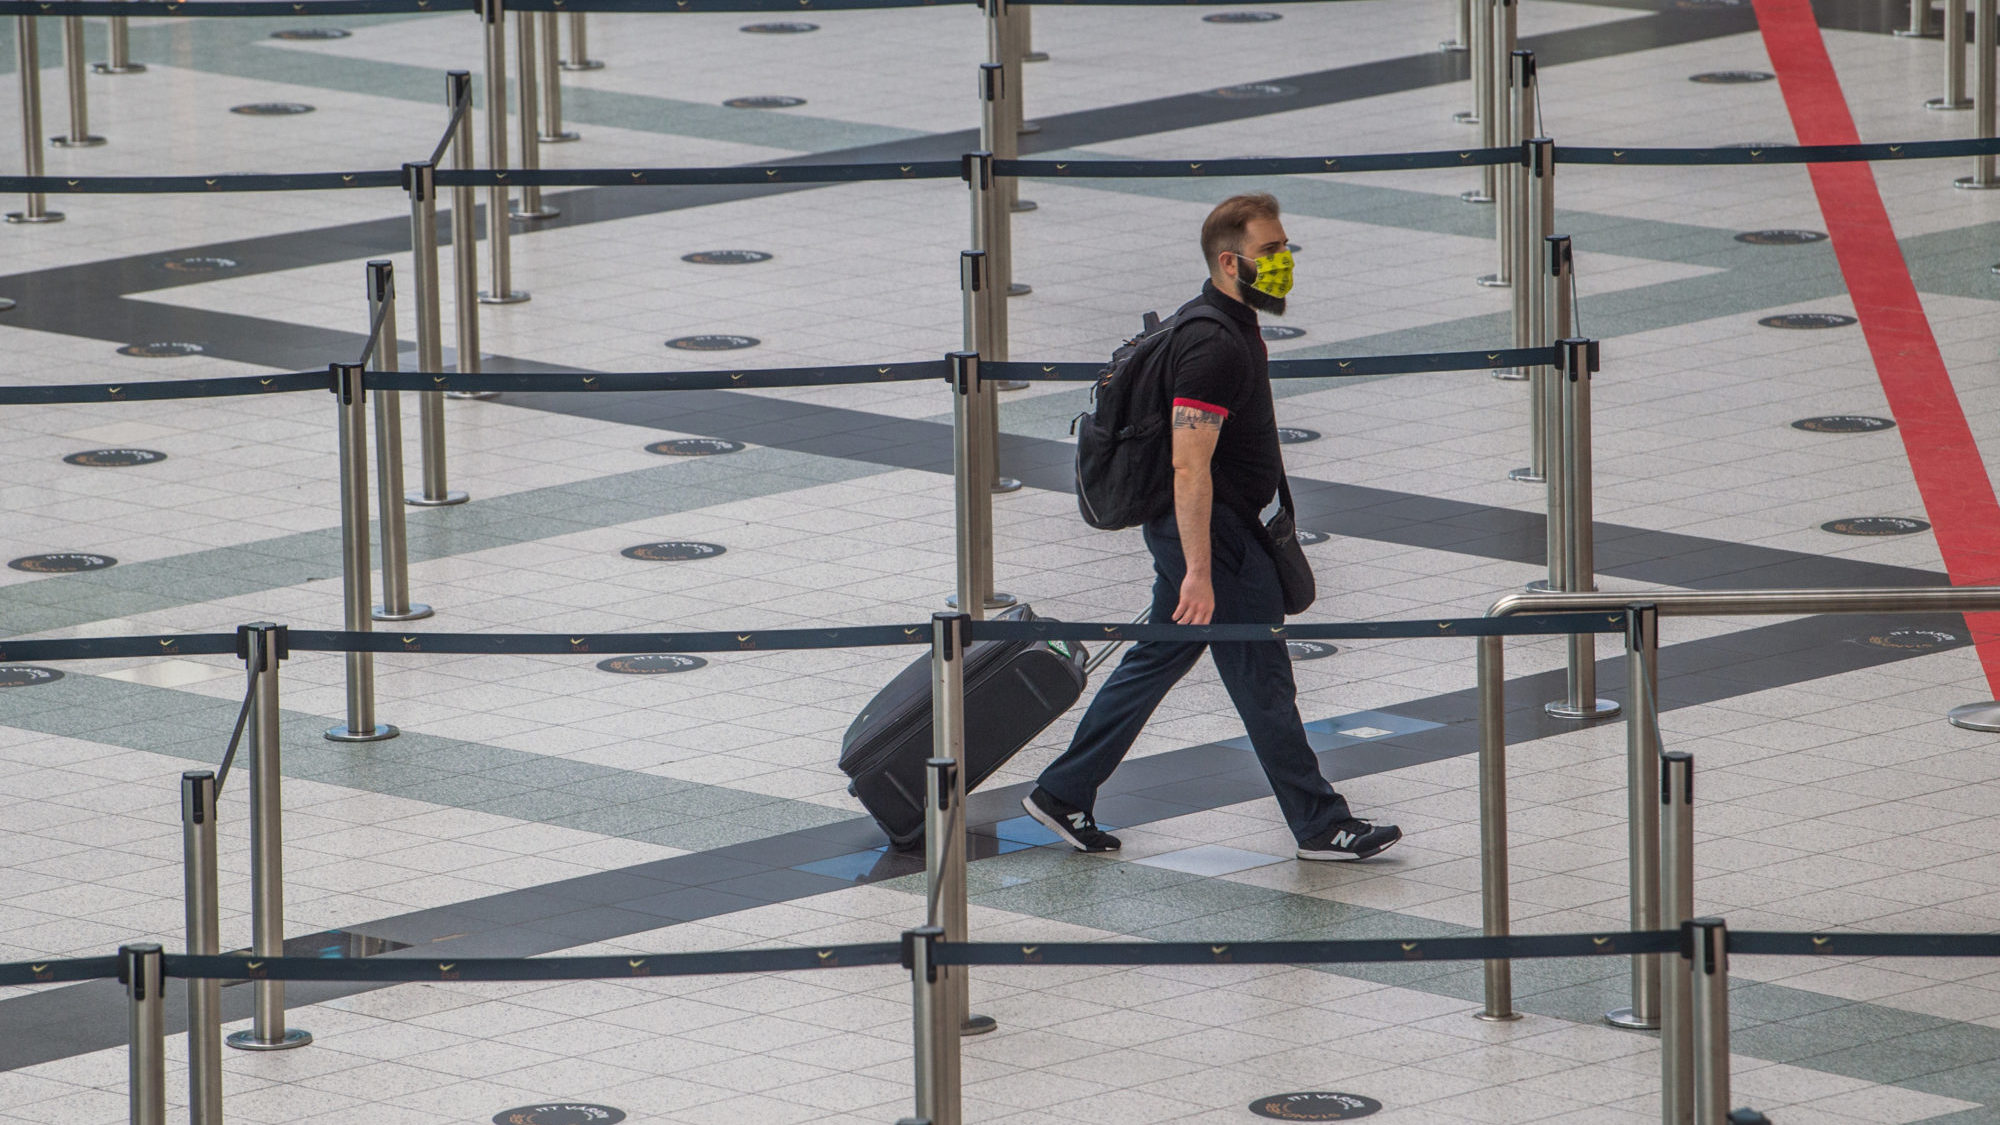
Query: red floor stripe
1951	476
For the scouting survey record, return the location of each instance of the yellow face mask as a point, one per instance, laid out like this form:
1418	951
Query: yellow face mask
1274	274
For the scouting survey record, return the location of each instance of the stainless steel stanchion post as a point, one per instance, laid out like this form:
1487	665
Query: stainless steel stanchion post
579	46
974	504
1954	59
355	578
120	61
28	64
1579	555
204	939
1710	990
422	186
987	305
500	264
1983	47
944	810
1507	177
146	1056
528	114
1534	287
1028	52
465	297
1677	892
262	646
79	135
552	122
1561	266
396	605
1642	808
937	1056
1481	113
1494	904
997	136
1920	20
1464	34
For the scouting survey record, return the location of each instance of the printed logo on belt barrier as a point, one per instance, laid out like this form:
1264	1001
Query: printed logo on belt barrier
67	562
1914	640
1875	525
1290	436
1781	237
114	458
271	109
161	349
1315	1107
198	265
1309	650
312	33
780	28
764	101
673	550
1253	90
26	675
1242	17
714	342
1807	320
1732	77
1308	538
1281	332
694	447
725	257
651	664
560	1113
1844	424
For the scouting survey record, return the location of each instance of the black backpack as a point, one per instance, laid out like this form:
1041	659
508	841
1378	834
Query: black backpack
1124	448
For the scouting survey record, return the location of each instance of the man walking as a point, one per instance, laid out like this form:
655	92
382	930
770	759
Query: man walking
1211	562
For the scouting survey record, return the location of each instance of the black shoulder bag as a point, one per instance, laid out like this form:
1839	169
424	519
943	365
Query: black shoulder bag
1281	533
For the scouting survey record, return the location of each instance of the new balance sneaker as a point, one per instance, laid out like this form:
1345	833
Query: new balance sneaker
1350	840
1076	827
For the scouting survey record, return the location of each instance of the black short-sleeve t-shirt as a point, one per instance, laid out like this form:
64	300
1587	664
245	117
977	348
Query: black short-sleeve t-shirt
1226	369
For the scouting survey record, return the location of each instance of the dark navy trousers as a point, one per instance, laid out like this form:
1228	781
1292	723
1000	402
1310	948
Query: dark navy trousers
1258	675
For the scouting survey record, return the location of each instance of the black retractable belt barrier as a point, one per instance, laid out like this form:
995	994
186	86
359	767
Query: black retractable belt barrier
1331	368
1865	945
610	644
57	971
405	968
1779	153
736	175
660	380
1308	952
106	648
195	185
1253	165
159	389
1540	624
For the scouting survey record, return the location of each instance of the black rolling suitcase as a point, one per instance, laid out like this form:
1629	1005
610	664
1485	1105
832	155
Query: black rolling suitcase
1013	690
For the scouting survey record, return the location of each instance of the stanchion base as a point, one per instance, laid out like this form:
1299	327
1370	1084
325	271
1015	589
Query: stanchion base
88	141
1982	717
472	396
419	500
978	1025
1451	46
994	600
1028	129
248	1041
1526	474
587	64
1539	586
1561	709
1465	117
1503	1017
1010	384
1971	183
1940	103
563	137
1023	206
537	215
1493	281
1509	374
44	217
1906	33
512	297
382	733
1035	56
1993	269
1005	485
417	611
1624	1018
1476	195
6	303
1019	289
128	68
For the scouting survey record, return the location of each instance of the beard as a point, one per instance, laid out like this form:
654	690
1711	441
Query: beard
1256	298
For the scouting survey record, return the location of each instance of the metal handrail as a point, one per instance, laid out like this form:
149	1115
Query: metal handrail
1755	603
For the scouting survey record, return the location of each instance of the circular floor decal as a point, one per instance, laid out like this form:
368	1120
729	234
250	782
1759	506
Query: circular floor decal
725	257
312	33
1844	424
781	28
1309	650
26	675
1253	90
1732	77
166	349
1875	525
115	458
1807	320
1781	237
765	101
271	109
1288	435
1281	332
1913	640
1310	538
1242	17
651	664
712	342
560	1113
694	447
1315	1107
198	265
66	562
673	550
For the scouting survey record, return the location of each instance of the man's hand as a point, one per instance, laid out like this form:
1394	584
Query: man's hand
1197	601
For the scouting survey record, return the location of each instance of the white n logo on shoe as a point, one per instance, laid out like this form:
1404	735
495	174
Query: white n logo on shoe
1344	839
1078	819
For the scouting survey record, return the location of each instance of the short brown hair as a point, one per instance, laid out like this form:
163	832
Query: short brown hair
1223	229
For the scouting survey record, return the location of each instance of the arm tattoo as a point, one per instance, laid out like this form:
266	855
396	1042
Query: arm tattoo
1190	418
